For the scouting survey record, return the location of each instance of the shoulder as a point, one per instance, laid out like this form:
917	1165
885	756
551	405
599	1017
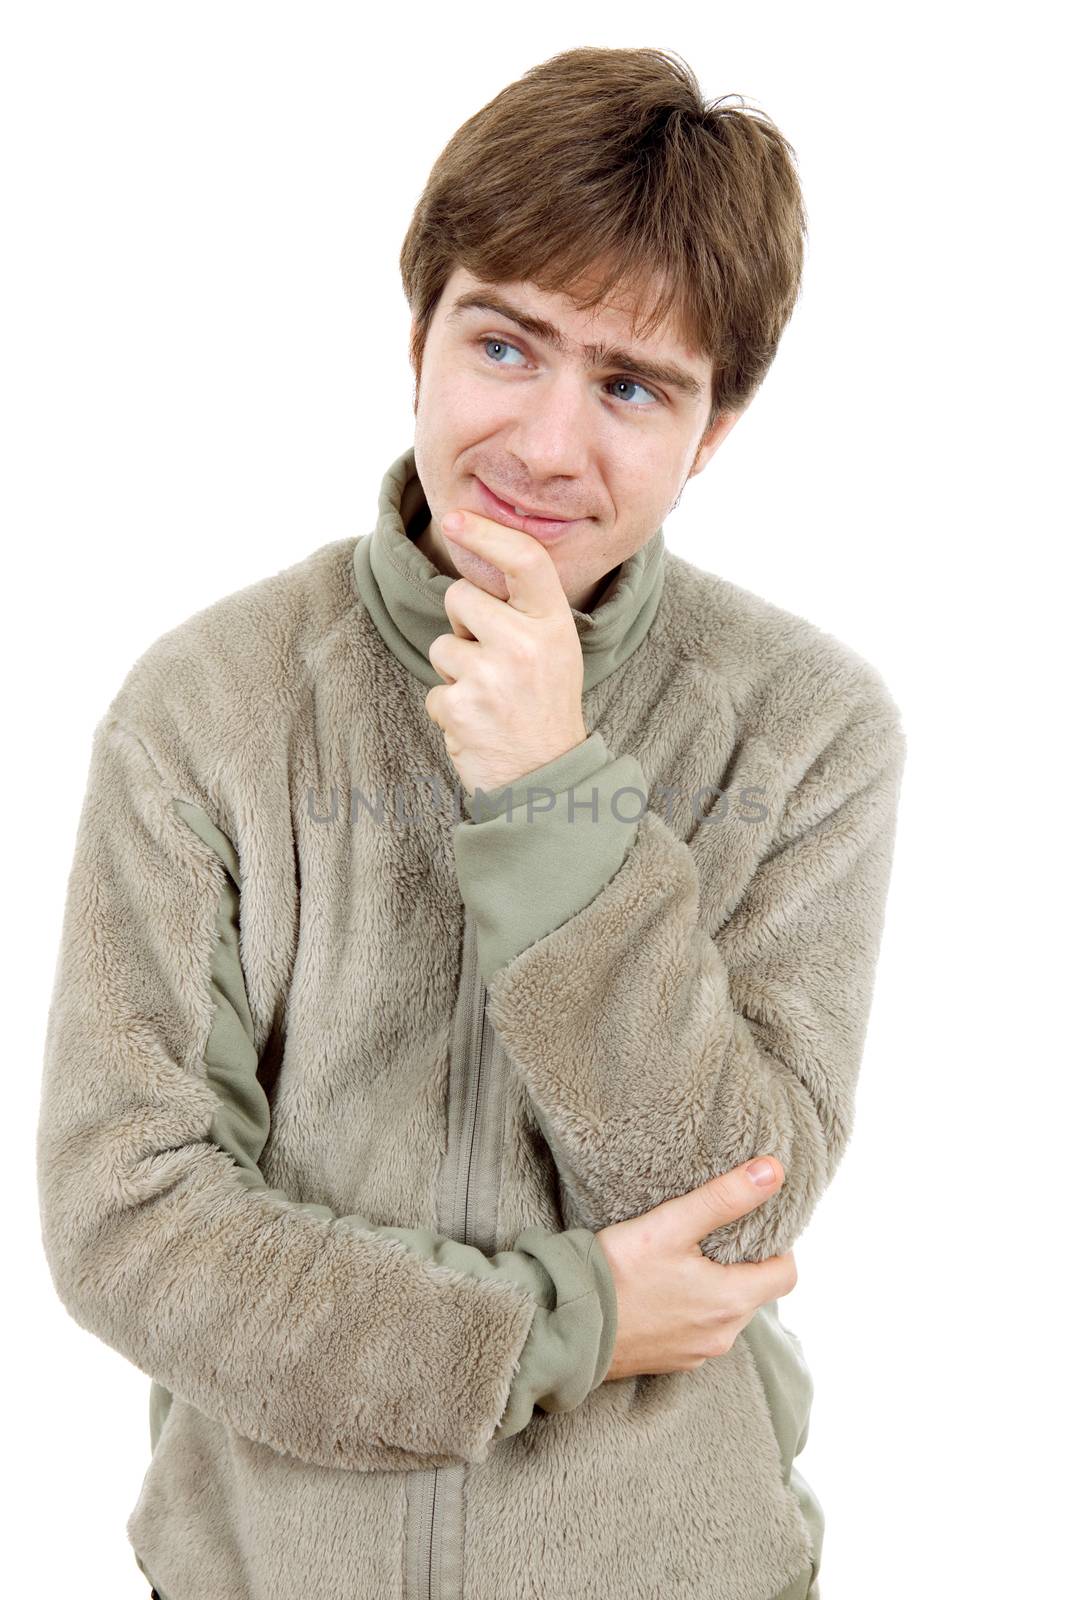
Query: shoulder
235	673
780	671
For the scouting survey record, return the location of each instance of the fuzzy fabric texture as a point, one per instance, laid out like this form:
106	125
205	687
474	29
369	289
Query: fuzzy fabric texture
707	1004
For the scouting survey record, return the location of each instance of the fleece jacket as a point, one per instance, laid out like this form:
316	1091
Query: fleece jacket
346	1068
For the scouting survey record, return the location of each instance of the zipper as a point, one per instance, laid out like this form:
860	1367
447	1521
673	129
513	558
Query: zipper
466	1212
473	1024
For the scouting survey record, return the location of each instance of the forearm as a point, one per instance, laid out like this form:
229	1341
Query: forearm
329	1338
657	1055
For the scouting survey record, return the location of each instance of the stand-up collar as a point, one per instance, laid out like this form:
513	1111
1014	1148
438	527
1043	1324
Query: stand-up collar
405	592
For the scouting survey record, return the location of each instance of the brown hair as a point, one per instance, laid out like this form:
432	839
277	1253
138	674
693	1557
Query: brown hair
606	166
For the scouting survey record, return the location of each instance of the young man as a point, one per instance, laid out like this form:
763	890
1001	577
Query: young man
457	913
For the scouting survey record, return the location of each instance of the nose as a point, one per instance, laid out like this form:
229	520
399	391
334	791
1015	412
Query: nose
551	439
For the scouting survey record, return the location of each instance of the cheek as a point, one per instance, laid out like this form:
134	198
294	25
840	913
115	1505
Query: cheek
458	390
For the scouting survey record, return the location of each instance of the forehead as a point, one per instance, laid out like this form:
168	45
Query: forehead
619	316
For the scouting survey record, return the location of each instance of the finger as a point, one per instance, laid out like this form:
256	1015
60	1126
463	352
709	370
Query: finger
757	1282
529	571
437	708
476	614
432	703
460	628
721	1200
450	656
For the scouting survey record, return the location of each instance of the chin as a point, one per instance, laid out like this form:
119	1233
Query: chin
479	571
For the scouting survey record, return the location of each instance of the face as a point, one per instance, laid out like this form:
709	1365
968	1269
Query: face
607	447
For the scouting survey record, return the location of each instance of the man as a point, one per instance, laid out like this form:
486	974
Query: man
408	1143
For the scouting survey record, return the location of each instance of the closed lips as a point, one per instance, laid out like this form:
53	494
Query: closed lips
525	511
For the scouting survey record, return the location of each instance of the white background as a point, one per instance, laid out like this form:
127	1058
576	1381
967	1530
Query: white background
204	375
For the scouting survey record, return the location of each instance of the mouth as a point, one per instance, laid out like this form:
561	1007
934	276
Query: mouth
543	528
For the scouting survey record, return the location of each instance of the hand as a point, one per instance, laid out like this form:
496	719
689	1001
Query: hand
676	1307
513	669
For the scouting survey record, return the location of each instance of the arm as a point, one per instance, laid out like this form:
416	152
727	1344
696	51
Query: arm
661	1043
341	1343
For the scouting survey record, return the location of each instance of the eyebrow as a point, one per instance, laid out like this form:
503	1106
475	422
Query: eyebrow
596	355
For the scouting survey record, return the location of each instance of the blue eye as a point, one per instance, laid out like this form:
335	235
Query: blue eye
503	344
635	385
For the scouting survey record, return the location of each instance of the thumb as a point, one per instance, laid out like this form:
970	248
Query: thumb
722	1199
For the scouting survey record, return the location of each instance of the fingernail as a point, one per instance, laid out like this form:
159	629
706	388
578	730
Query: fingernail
761	1172
453	522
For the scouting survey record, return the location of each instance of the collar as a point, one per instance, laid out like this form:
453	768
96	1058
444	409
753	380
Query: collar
404	591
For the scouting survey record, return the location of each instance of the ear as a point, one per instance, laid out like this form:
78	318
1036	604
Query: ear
411	364
713	438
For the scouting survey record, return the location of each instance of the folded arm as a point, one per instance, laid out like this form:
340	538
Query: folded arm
662	1043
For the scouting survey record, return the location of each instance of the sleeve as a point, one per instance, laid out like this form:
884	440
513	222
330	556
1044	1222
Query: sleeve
660	1046
324	1337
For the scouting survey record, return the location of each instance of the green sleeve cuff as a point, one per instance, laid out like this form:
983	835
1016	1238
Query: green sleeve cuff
609	1307
572	1337
539	849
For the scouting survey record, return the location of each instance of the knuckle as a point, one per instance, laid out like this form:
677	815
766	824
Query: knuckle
720	1342
528	560
712	1201
730	1304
